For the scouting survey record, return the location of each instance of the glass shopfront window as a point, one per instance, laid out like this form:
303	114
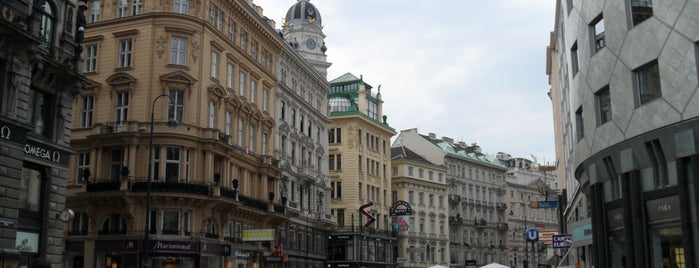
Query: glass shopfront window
667	250
618	254
665	233
172	262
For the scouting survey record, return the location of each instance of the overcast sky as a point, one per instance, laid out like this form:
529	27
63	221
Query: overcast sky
470	70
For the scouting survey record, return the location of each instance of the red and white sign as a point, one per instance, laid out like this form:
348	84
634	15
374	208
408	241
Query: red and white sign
546	236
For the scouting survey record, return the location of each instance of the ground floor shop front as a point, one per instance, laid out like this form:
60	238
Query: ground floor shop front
161	254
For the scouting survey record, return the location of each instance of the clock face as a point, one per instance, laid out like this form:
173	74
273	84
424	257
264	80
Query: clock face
66	215
311	44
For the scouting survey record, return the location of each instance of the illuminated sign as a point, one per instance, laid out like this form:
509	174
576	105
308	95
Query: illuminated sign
258	235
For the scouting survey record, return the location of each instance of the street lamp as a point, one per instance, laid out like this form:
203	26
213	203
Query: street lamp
171	123
525	264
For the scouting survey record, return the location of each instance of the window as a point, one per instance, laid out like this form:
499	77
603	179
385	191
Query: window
172	164
229	75
293	153
647	83
265	100
83	164
113	224
241	86
253	49
282	110
214	64
244	40
181	6
171	222
410	171
125	47
231	31
116	162
335	162
216	17
178	51
658	161
136	7
30	189
265	137
228	123
580	131
641	10
79	224
95	11
90	62
241	123
86	108
176	105
48	23
574	58
251	138
122	7
253	90
597	28
604	105
122	106
212	114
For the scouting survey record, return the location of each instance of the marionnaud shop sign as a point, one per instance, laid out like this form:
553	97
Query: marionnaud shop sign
174	246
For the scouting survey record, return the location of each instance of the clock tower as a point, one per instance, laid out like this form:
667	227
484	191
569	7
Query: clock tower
303	30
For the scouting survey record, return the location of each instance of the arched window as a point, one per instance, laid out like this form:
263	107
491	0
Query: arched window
113	224
209	228
48	22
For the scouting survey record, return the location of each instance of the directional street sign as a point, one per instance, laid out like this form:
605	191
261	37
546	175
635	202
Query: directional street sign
544	204
532	235
563	241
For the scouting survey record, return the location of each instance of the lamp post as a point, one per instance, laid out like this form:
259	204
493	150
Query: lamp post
525	264
172	123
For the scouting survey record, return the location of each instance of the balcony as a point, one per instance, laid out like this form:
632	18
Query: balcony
502	226
501	206
103	186
455	220
454	198
480	223
172	187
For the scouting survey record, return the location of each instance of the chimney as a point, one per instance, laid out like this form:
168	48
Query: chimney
432	135
447	139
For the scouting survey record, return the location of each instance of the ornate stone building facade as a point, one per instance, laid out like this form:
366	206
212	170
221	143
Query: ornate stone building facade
423	236
302	144
477	219
39	77
358	160
214	202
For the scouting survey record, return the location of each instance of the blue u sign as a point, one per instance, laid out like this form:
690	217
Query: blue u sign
532	235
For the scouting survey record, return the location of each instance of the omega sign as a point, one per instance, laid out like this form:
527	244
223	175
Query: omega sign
39	152
46	153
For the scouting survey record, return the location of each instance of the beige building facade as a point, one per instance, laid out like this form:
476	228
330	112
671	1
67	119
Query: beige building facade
477	210
424	241
211	66
358	163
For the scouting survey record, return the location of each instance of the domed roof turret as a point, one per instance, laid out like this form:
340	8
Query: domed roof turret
303	12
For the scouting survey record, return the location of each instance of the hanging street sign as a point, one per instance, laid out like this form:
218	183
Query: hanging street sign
544	204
